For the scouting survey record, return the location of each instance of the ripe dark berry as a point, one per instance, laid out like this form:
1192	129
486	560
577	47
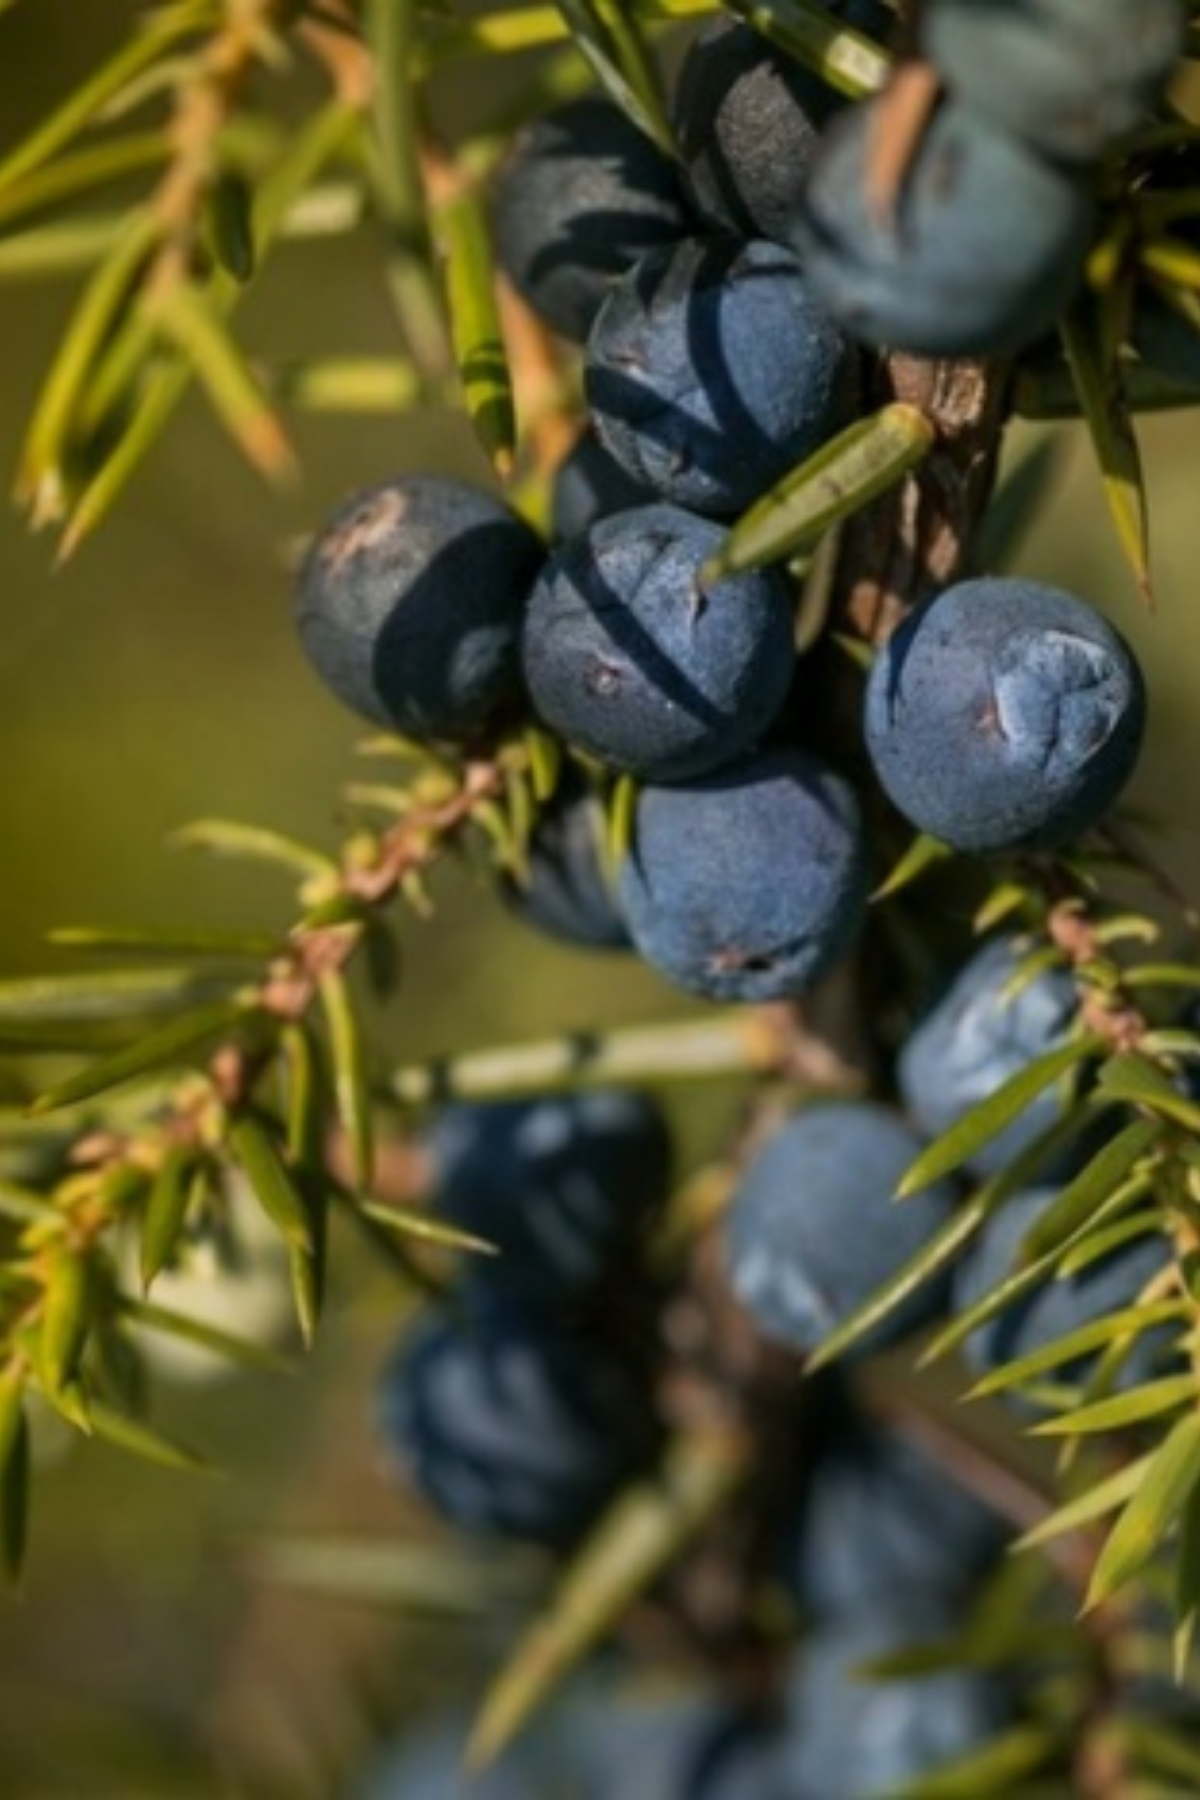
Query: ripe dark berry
748	884
410	605
884	1524
813	1227
975	1037
589	485
712	369
511	1427
1068	76
582	195
849	1736
747	116
628	658
1056	1306
975	255
564	1186
1004	715
567	889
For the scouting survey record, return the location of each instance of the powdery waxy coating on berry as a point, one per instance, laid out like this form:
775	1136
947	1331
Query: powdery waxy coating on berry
1055	1306
511	1426
850	1737
975	1037
748	884
628	658
590	485
813	1228
582	195
1003	715
712	370
1068	76
747	117
884	1522
410	605
564	1186
980	250
568	890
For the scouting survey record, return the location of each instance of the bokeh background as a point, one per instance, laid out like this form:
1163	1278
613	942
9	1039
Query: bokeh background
156	679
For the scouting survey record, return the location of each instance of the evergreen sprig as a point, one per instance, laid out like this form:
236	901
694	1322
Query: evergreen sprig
202	1064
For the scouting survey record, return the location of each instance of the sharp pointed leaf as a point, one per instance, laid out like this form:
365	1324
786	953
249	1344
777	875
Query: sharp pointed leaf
166	1211
109	994
923	853
1167	1485
152	1317
935	1255
179	1041
1119	1411
1085	1338
544	754
254	843
849	471
476	331
68	1315
253	1145
849	61
1102	400
409	1223
645	1530
350	1082
140	1439
985	1121
1132	1078
1084	1193
609	36
995	1769
1103	1497
194	326
1187	1584
238	946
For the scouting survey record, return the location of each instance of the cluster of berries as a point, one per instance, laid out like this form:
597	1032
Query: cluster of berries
522	1411
520	1414
720	350
729	308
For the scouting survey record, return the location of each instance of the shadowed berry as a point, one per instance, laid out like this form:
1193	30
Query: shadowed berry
712	370
976	255
1004	715
1055	1306
567	890
582	195
629	659
813	1228
509	1426
748	884
747	117
884	1521
410	605
851	1737
677	1746
975	1037
590	485
563	1185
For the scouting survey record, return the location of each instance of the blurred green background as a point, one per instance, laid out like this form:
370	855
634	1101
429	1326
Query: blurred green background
156	679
